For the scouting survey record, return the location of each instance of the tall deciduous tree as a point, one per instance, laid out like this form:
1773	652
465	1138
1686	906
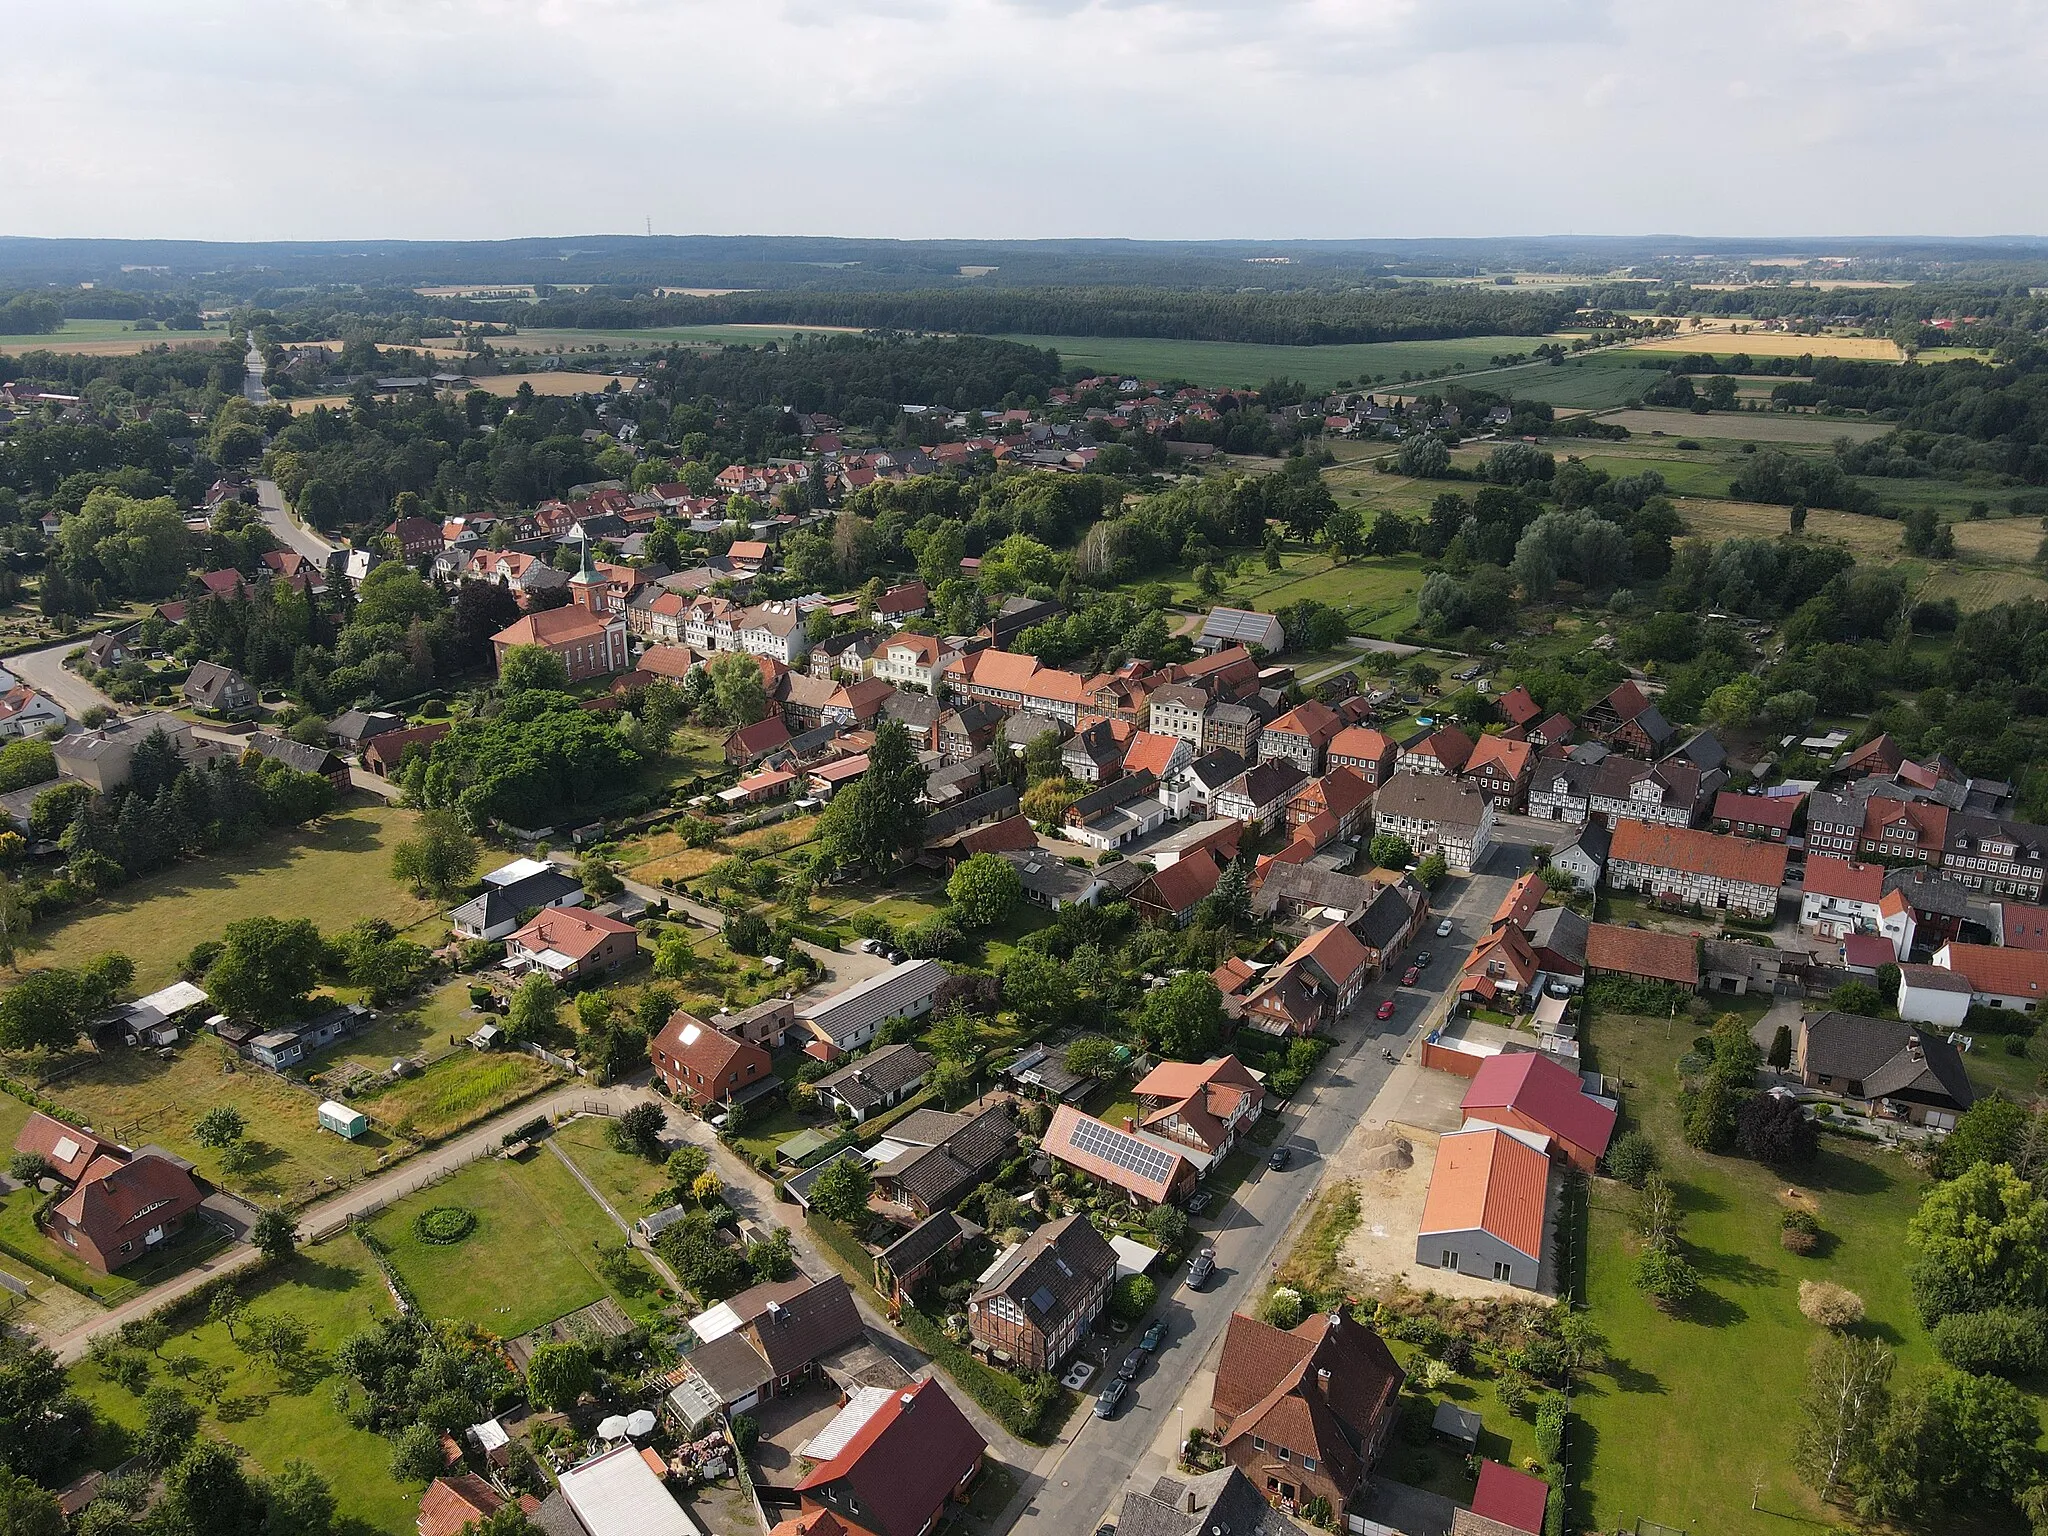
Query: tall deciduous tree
266	967
875	821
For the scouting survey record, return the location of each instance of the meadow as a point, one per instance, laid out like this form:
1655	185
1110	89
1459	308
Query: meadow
110	338
337	872
1747	426
1724	1377
1249	364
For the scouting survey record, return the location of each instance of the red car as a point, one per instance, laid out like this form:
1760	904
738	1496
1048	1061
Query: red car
1410	976
1386	1009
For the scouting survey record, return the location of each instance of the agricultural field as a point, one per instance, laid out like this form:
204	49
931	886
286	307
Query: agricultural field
1869	349
1749	427
1597	382
1250	364
336	873
336	1291
534	1221
1725	1376
553	382
110	338
532	343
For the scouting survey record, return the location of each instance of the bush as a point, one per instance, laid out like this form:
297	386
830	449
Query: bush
1799	1232
1284	1308
745	1431
1550	1422
1828	1304
2004	1341
444	1224
1776	1131
1133	1298
1632	1159
1666	1278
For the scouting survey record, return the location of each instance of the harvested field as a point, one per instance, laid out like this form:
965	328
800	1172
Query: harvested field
2003	539
1874	539
1742	426
1877	349
1975	589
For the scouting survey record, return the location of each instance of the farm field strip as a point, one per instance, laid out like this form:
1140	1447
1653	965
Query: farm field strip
1745	426
1877	349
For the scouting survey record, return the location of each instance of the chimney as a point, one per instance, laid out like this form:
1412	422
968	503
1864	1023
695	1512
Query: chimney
1130	1124
1192	1505
1323	1379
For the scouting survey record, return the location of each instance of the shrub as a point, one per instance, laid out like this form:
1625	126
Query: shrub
1632	1159
1133	1298
444	1224
1284	1308
1828	1304
1550	1421
1666	1278
1514	1391
2004	1341
745	1431
1776	1131
1799	1232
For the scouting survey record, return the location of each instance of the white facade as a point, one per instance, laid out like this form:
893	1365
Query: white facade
1943	1007
1701	890
1584	869
1462	844
910	665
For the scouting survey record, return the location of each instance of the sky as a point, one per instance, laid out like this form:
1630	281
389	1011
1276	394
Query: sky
1160	119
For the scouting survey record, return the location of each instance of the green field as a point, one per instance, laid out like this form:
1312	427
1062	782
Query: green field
1595	383
1251	363
336	873
653	337
1781	429
1723	1380
531	1259
1376	592
109	337
630	1182
336	1291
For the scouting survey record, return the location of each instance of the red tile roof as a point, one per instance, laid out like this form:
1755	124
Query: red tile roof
1842	878
1642	952
1996	972
2023	927
1335	950
44	1136
1313	719
1182	883
568	931
1487	1181
1776	811
1511	759
905	1461
1068	1124
1734	859
1518	706
1361	742
551	627
1151	751
1521	901
1541	1091
114	1198
450	1503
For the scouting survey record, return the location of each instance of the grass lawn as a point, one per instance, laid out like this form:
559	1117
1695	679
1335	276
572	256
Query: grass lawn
337	873
631	1183
136	1097
336	1291
664	855
458	1091
432	1026
1722	1382
532	1257
762	1134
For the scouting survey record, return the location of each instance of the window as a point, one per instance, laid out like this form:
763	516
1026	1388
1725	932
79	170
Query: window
1258	1444
1308	1463
1503	1271
1283	1453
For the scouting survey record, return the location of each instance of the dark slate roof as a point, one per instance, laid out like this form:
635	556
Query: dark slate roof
991	805
294	754
1319	887
1704	751
864	1083
918	711
1381	923
503	903
1593	840
1928	892
1104	798
1225	1503
796	1321
1054	1271
1215	769
1271	780
732	1366
940	1175
1026	726
1561	931
1889	1057
929	1237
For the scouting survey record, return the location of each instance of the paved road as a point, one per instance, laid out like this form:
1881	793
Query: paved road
45	672
252	380
1081	1482
289	530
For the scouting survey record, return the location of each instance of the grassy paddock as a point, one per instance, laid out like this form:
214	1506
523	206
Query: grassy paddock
1745	426
337	873
1724	1379
111	338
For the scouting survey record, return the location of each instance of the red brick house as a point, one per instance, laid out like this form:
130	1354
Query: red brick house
1205	1104
1343	794
570	945
1172	894
122	1208
701	1066
1032	1311
1305	1412
903	1456
1500	769
590	644
1626	719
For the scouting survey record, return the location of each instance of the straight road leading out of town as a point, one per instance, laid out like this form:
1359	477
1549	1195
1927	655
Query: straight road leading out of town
1080	1482
290	532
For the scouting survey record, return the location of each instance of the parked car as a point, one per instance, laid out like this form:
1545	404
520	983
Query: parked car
1385	1010
1154	1337
1411	976
1198	1202
1443	929
1201	1269
1422	960
1110	1397
1133	1362
1279	1158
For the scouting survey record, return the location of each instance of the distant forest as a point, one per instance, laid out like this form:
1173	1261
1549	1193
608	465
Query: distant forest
1410	312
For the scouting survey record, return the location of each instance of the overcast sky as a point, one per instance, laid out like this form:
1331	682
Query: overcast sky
319	119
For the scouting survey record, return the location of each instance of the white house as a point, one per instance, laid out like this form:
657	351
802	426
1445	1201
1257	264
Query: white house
1840	897
1999	977
913	661
1436	815
24	712
1930	995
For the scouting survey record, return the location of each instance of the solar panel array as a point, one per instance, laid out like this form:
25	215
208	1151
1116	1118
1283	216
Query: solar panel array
1153	1164
1236	624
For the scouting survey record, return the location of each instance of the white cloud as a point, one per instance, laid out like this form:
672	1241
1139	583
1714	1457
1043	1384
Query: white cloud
1165	118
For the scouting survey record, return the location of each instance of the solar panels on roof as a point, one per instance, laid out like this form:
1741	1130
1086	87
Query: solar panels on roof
1237	624
1043	1299
1148	1162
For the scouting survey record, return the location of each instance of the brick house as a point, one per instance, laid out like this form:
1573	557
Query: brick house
1341	794
1767	818
901	1457
1170	895
1500	769
590	644
122	1207
1206	1104
1042	1298
1302	736
1305	1412
571	946
1700	869
1626	719
701	1066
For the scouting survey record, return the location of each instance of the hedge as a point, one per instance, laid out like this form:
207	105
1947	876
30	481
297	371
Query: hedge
1014	1404
843	1244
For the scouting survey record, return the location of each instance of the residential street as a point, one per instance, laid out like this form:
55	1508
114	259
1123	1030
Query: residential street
1080	1482
290	532
45	672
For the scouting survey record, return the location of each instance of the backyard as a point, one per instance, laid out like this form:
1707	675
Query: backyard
336	1291
1725	1377
533	1256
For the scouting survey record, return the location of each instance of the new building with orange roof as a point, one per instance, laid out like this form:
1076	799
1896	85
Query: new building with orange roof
1485	1212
